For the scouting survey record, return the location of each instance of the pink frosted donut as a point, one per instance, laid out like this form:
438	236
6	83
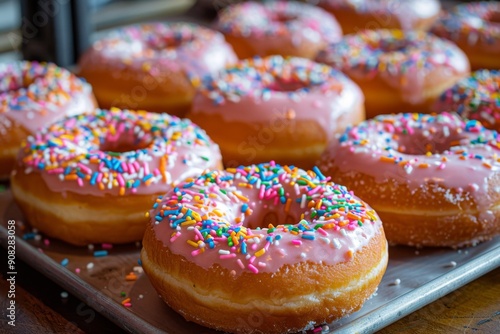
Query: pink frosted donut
148	66
89	179
278	242
397	70
275	108
475	97
286	28
475	28
433	179
358	15
33	95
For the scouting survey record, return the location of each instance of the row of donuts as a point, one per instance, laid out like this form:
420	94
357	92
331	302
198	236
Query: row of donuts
292	227
472	26
121	152
267	219
145	63
290	88
280	102
397	71
89	178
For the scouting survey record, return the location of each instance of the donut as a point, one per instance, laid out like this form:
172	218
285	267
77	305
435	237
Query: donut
277	28
355	15
148	66
263	249
33	95
275	108
433	179
475	97
397	71
90	178
475	28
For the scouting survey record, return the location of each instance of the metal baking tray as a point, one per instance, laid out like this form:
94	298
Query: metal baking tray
414	278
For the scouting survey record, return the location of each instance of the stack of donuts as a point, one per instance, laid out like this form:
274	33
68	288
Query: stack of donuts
247	145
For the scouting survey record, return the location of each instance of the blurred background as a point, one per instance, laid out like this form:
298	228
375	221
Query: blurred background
59	30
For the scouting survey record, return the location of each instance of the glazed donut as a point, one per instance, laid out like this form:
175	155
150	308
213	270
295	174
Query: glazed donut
90	178
274	108
148	66
476	97
475	28
432	179
398	71
33	95
279	243
355	15
277	28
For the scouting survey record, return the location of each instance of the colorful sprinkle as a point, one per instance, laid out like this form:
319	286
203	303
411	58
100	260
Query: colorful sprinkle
332	212
263	77
279	19
131	277
100	253
158	49
476	97
32	94
402	59
387	137
118	152
472	21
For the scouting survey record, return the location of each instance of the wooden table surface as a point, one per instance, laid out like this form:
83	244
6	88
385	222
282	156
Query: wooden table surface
474	308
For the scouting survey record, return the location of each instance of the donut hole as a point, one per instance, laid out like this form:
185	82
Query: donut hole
424	143
124	142
162	42
393	46
494	17
268	218
286	86
284	17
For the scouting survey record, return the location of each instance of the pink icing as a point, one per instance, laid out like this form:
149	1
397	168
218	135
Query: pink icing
463	155
407	12
273	23
235	209
408	62
158	150
35	95
475	97
323	107
160	48
238	96
477	22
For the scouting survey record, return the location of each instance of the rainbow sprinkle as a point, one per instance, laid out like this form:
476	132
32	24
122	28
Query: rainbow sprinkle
278	19
437	141
263	77
35	94
312	212
45	85
100	253
358	6
476	97
156	48
471	20
84	153
372	52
